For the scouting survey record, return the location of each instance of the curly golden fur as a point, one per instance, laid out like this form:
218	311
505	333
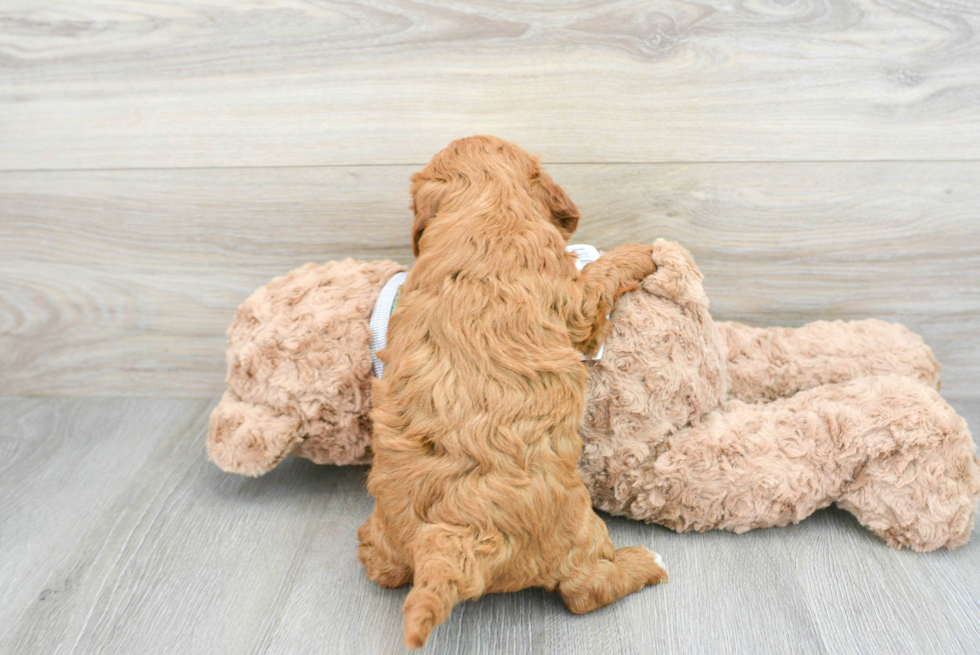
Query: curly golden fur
476	420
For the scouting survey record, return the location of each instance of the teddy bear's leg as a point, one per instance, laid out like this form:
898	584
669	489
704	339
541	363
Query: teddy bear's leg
921	483
382	564
249	439
888	448
739	468
776	362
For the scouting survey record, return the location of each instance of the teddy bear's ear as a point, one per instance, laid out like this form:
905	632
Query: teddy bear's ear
564	213
426	194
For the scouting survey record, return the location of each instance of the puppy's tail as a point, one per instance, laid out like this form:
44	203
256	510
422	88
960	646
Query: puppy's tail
446	572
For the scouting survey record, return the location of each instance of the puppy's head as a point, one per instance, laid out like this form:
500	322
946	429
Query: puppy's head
480	161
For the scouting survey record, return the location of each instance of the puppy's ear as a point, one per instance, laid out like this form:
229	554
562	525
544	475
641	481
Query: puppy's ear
426	194
564	213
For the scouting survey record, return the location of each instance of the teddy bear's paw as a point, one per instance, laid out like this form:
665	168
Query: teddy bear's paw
677	277
675	258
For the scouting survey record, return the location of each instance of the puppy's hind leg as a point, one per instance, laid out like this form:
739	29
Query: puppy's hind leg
381	563
446	572
603	576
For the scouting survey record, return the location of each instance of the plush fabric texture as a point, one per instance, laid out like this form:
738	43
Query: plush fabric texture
299	370
699	425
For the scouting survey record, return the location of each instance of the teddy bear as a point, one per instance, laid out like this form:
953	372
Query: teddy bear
689	423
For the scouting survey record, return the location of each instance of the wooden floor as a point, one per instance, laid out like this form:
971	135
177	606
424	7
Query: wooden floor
160	160
118	536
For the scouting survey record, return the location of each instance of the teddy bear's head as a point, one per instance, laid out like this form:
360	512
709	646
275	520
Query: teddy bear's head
299	370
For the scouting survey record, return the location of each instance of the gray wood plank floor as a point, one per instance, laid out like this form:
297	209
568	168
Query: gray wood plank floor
118	536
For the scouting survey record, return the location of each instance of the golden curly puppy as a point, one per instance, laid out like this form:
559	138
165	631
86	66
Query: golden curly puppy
476	420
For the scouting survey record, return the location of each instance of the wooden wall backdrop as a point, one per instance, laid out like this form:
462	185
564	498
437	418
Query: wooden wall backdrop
158	161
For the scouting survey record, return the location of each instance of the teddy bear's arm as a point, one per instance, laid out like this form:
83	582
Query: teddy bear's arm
602	283
777	362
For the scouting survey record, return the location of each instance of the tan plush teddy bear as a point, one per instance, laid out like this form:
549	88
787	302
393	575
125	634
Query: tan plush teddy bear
689	423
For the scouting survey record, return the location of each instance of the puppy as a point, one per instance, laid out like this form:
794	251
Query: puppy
476	419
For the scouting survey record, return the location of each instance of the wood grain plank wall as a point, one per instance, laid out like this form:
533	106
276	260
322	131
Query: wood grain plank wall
123	282
128	84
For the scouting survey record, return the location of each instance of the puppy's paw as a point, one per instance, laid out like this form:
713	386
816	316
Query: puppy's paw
659	561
